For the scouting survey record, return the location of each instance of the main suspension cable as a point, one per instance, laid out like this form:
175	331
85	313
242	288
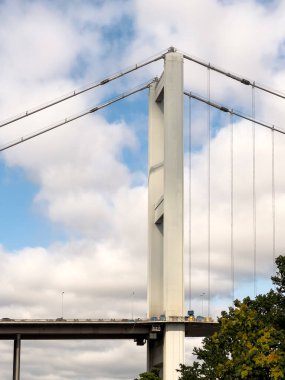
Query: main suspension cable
84	89
236	113
131	69
238	78
75	117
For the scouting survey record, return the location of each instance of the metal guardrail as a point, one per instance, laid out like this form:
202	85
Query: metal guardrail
103	320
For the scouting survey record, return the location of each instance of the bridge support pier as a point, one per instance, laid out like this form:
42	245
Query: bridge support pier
17	357
165	219
155	354
167	352
173	354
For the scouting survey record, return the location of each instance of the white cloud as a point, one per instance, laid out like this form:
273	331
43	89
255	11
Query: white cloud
75	359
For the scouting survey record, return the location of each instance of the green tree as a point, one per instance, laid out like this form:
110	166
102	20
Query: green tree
152	375
250	343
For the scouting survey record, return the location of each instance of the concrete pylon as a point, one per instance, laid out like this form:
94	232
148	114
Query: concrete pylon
165	215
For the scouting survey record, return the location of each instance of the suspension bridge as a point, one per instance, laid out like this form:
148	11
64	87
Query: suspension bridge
173	158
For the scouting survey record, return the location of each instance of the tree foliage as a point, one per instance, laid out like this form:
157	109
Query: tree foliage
250	343
152	375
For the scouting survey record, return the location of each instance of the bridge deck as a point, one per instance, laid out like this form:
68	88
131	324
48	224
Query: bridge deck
61	329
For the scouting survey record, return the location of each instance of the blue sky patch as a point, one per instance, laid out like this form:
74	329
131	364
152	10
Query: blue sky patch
20	223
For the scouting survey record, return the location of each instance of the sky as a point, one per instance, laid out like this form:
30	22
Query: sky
74	201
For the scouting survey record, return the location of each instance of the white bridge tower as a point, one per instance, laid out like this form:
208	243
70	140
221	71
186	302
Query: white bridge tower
165	215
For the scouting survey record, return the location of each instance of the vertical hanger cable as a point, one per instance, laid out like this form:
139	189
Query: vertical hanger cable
232	204
273	199
209	190
254	188
190	204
